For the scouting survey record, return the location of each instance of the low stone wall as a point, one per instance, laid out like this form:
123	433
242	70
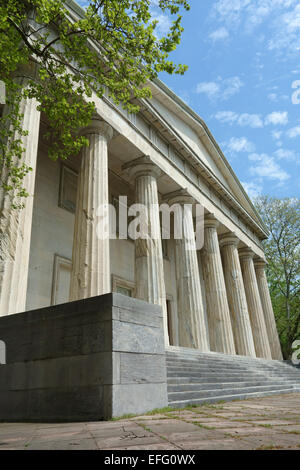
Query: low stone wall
86	360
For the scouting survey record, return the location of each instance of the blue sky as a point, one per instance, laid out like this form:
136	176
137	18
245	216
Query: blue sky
244	81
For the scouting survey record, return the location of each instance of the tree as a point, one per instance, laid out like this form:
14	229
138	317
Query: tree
282	249
113	47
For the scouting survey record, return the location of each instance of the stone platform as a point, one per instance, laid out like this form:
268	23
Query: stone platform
87	360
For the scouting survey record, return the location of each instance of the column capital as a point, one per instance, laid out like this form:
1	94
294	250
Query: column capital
142	166
228	239
260	263
245	253
210	221
98	126
180	197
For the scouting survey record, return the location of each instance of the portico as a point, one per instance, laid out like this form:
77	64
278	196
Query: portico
216	300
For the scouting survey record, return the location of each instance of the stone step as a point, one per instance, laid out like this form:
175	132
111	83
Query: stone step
204	366
219	358
177	381
242	396
270	366
193	395
190	387
194	377
223	374
213	379
187	372
232	369
207	369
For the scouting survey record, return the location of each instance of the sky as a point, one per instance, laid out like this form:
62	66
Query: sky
244	81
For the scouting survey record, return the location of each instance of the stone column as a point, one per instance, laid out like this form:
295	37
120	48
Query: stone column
91	258
255	309
15	224
191	317
236	296
259	265
149	268
220	329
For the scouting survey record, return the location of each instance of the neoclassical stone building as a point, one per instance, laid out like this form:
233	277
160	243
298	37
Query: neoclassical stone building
214	299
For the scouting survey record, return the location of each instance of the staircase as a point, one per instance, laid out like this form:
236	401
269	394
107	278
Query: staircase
195	378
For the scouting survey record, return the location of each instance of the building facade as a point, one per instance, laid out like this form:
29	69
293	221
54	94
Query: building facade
213	299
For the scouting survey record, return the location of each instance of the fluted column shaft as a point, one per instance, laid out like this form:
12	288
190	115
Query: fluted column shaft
16	224
260	336
91	258
236	296
220	329
265	298
149	268
191	317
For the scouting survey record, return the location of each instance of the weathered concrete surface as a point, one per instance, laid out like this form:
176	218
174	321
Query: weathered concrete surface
264	423
84	360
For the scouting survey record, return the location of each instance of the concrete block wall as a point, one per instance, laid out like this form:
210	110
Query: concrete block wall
86	360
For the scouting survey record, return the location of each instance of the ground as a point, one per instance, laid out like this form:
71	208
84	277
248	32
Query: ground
260	423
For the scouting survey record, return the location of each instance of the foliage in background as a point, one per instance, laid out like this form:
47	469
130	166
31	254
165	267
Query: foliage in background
282	249
114	48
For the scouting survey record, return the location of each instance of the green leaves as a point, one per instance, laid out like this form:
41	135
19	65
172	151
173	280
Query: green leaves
282	249
113	47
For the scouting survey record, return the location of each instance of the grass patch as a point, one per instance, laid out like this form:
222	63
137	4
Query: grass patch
265	425
145	427
166	409
118	418
170	409
152	432
210	428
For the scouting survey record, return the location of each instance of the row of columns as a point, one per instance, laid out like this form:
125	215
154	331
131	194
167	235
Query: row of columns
240	317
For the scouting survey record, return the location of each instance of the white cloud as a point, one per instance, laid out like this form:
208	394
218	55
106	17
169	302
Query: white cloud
293	132
211	89
284	154
220	89
256	120
232	87
219	34
253	189
267	167
280	17
230	10
164	23
244	119
277	118
276	134
239	144
286	31
226	116
273	97
251	120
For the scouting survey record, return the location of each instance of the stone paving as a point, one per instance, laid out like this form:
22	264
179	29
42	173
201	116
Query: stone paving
259	423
